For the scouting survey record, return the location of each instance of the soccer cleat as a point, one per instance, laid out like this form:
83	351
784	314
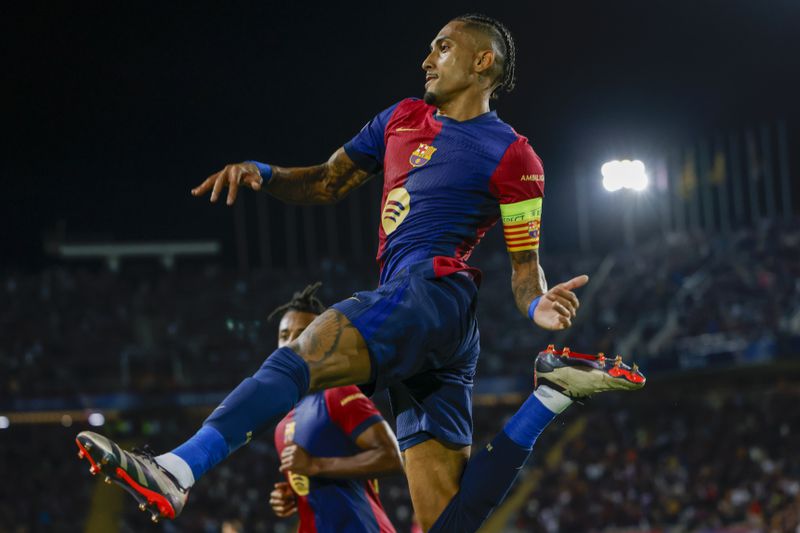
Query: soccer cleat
137	472
580	375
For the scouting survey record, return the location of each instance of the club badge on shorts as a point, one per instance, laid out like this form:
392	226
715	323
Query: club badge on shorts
421	155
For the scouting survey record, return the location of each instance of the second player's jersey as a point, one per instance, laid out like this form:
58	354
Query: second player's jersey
327	424
446	183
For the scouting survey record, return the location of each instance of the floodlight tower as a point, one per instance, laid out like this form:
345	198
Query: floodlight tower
630	175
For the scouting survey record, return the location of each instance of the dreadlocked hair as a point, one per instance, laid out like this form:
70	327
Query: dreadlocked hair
305	301
503	43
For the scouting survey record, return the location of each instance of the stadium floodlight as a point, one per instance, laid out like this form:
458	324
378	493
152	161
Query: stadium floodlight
96	419
4	422
625	174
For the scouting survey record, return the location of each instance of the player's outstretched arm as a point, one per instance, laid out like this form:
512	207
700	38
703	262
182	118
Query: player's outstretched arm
320	184
380	456
551	309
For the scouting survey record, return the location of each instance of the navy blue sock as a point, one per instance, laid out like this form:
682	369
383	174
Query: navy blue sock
491	473
256	404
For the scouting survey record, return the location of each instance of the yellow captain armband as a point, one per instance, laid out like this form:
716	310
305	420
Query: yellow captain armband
521	222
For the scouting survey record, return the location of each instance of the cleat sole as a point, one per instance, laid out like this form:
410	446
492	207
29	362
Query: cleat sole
153	498
582	378
581	375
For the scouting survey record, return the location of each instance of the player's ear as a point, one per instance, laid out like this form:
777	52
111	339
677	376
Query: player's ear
484	60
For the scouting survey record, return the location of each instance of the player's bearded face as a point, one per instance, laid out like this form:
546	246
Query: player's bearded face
448	68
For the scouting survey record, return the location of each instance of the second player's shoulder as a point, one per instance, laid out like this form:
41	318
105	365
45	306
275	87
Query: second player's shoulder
339	397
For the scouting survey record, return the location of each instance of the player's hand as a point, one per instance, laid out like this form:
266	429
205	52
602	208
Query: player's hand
282	500
232	176
299	461
558	306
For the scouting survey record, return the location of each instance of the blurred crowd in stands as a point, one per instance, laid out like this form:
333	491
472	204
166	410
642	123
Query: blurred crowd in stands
716	451
681	302
709	453
702	453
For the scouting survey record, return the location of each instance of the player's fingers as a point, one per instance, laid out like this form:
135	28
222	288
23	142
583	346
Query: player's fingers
574	283
567	295
564	322
282	486
253	181
222	177
280	510
284	512
288	451
568	305
561	309
233	188
205	186
280	498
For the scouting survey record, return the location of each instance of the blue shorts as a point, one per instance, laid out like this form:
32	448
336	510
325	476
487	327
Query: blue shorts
423	342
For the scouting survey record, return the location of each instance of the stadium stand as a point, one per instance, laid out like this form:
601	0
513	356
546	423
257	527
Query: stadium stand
710	445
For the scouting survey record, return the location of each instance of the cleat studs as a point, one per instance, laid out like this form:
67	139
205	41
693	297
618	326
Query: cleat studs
107	480
104	460
93	470
154	518
635	368
565	352
142	507
87	445
550	348
618	361
80	454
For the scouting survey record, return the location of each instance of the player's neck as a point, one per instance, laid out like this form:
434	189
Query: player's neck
464	107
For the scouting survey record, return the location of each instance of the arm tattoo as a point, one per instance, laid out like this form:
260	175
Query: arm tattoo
321	184
527	278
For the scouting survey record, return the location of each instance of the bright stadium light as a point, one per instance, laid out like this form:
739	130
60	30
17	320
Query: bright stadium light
4	422
96	419
625	174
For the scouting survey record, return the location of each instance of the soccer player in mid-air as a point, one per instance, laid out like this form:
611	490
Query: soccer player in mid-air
451	169
330	444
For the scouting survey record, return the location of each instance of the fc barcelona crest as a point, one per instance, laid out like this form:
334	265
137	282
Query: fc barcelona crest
421	155
533	229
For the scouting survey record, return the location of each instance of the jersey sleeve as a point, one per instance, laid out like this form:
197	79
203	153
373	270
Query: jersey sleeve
351	410
518	185
368	147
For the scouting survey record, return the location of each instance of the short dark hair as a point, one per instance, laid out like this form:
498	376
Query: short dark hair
305	301
502	41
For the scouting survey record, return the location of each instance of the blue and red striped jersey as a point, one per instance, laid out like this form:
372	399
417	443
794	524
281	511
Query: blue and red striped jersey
446	183
327	424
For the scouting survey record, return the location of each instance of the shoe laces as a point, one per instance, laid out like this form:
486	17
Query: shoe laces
146	451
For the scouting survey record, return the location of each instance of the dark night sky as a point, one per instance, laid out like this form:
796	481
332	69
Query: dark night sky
112	113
